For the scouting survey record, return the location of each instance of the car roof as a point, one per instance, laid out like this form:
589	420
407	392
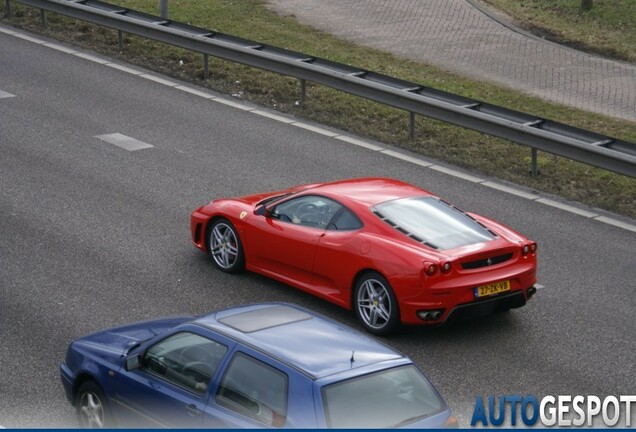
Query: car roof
308	342
367	191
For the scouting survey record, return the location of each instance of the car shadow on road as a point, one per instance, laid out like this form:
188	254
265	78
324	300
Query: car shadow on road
247	288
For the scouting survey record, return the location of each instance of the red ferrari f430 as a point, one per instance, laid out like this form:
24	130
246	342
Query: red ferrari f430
392	252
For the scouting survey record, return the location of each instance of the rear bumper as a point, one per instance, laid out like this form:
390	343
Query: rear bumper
68	379
487	306
451	312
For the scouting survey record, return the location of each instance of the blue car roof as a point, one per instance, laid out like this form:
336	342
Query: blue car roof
317	346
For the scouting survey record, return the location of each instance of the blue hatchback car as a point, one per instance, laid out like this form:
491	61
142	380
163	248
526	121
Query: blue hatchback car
267	365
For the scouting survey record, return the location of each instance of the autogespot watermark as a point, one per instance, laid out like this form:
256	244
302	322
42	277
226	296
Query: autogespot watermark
562	410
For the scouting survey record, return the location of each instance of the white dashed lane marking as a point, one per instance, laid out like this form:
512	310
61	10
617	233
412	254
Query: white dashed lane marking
159	80
511	190
273	116
359	142
195	92
125	142
7	31
91	57
616	223
566	207
315	129
29	38
124	68
62	48
233	104
4	94
407	158
456	173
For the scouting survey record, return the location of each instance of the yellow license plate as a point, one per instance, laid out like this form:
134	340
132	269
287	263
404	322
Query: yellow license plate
496	288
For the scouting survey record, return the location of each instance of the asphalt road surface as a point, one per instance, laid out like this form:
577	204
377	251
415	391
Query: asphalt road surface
93	235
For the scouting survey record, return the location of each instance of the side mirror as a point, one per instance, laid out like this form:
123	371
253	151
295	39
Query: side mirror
133	362
261	210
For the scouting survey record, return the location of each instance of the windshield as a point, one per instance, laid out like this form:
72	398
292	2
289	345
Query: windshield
385	399
432	221
273	198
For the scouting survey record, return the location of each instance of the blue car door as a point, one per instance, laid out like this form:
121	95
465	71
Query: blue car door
173	383
257	391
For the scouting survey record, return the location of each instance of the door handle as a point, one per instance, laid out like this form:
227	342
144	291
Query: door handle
192	410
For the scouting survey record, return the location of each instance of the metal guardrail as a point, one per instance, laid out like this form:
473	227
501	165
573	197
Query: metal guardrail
535	132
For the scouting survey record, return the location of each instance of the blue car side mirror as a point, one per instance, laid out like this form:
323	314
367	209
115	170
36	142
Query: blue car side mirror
133	362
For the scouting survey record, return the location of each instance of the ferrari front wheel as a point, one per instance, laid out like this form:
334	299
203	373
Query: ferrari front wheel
375	304
225	246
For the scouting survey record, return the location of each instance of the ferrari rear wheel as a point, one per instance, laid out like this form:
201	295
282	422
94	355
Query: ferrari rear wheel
92	407
375	304
225	246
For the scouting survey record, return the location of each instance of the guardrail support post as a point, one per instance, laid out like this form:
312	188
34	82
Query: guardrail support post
411	125
42	18
303	91
120	40
206	67
163	9
535	170
7	12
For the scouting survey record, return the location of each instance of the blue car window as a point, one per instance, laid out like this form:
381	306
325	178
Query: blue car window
185	359
254	389
385	399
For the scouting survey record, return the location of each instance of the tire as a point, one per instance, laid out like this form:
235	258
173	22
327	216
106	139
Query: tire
225	247
375	304
91	406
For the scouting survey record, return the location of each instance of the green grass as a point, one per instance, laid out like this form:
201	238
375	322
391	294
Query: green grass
609	28
251	20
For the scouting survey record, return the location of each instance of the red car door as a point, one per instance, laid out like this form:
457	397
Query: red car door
337	257
340	254
282	249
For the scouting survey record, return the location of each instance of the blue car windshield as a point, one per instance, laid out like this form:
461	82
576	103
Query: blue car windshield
433	222
385	399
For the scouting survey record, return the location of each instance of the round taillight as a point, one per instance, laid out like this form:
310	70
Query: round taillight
430	268
529	248
446	267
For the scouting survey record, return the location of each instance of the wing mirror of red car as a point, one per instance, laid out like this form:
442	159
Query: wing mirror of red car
133	362
261	210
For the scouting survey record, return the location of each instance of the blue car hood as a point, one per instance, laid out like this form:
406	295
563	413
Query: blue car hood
118	340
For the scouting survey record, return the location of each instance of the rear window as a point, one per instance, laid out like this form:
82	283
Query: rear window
386	399
432	222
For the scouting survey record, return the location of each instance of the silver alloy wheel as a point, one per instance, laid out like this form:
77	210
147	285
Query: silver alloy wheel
374	303
224	245
91	411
